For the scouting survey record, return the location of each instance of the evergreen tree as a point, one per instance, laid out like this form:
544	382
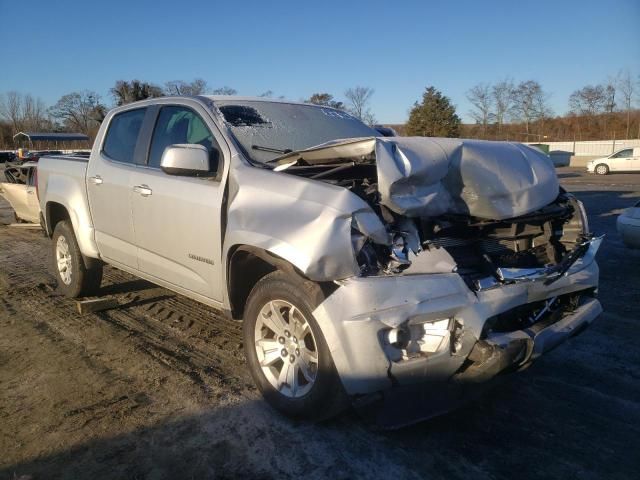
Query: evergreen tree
127	92
434	117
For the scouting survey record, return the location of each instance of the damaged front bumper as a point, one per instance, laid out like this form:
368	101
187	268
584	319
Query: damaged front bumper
444	325
586	250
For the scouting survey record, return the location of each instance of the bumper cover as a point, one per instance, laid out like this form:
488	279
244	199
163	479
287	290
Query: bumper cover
546	339
406	404
355	319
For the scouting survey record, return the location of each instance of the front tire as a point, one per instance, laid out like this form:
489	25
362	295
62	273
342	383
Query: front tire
75	279
287	354
601	169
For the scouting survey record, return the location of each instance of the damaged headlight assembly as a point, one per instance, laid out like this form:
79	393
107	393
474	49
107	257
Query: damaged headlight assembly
379	251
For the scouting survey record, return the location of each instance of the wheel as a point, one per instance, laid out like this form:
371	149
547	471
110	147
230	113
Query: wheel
287	354
75	279
602	169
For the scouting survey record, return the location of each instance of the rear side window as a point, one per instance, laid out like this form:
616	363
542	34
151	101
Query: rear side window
122	135
178	125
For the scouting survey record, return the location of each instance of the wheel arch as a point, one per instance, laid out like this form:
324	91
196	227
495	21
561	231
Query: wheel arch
247	264
54	213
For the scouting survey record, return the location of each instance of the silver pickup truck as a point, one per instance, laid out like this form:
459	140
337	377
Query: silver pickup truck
366	269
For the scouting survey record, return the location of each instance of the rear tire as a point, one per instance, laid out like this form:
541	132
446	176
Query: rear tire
601	169
303	383
75	279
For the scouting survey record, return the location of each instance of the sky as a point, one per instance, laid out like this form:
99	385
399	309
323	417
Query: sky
295	48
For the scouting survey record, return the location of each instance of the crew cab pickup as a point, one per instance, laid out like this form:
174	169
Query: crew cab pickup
380	269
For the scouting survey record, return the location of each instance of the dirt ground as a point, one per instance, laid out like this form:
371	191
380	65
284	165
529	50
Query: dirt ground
157	389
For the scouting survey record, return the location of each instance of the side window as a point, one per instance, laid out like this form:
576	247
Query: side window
177	125
122	136
624	153
31	178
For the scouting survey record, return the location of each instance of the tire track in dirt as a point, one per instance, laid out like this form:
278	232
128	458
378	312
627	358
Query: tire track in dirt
184	336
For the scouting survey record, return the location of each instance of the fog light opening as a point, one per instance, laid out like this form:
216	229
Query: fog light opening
398	337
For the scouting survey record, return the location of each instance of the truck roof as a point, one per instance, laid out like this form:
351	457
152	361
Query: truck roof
211	98
239	98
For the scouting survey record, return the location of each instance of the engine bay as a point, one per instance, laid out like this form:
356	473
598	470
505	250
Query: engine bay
479	247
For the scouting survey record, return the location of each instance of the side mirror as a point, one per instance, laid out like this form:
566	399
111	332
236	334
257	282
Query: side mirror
189	160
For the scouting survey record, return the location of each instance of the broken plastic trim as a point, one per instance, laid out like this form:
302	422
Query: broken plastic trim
585	250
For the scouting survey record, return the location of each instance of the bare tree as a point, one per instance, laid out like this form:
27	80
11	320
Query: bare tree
359	98
199	86
23	112
626	85
482	101
530	103
225	91
502	93
267	94
79	111
610	91
11	109
180	87
589	100
34	113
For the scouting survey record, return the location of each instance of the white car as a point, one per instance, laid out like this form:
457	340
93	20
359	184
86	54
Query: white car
627	160
628	224
19	189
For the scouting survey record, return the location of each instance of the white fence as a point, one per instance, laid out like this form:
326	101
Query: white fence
596	148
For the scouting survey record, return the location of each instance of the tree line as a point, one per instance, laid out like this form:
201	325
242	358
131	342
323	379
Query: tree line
506	110
601	111
83	111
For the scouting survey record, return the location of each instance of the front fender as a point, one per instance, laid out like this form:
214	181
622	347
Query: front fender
305	222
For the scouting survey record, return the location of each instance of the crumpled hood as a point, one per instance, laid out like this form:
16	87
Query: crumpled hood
420	176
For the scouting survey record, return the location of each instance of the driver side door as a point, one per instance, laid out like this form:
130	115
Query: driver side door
177	218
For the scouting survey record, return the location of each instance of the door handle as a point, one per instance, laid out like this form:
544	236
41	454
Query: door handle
97	180
30	192
143	190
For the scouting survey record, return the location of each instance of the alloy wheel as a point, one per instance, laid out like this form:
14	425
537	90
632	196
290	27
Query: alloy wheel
286	348
63	260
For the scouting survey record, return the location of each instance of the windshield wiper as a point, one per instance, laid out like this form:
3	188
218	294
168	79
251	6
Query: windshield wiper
271	149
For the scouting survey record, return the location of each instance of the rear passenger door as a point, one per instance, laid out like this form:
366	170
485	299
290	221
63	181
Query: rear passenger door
16	195
109	186
176	218
33	205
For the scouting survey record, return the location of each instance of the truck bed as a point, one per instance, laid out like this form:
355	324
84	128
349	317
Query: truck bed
62	183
